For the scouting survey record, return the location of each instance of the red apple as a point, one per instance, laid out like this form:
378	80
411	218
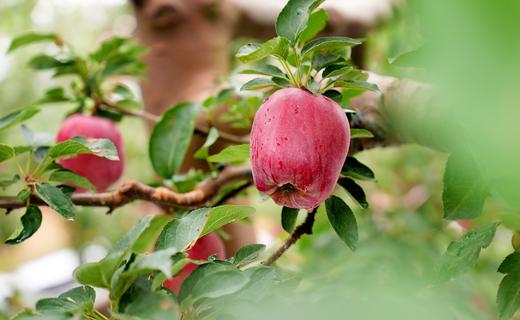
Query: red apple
205	247
299	142
101	172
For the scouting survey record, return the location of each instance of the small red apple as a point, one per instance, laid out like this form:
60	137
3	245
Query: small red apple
205	247
101	172
299	142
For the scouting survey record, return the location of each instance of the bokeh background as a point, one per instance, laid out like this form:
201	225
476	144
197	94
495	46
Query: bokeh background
469	54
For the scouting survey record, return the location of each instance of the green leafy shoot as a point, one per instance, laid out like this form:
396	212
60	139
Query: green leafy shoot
92	85
298	59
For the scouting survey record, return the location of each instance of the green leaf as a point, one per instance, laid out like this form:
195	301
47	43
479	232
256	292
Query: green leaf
324	59
248	253
259	83
356	170
72	69
181	233
56	199
79	145
74	300
360	134
45	62
23	195
9	182
123	91
328	43
281	82
128	104
123	65
30	38
99	274
343	221
53	95
233	154
222	215
293	18
108	48
508	296
261	280
31	222
358	85
6	152
252	52
464	189
149	236
266	70
510	263
69	177
337	71
289	216
17	117
198	275
203	152
170	139
132	240
355	191
337	97
317	22
140	302
219	284
160	260
462	254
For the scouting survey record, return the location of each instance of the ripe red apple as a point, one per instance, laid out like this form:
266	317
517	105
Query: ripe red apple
299	142
101	172
205	247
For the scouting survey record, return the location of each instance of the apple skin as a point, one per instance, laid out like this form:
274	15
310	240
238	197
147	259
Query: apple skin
299	142
205	247
101	172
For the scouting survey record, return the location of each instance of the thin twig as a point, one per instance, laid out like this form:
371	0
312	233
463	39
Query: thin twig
234	193
131	191
204	130
199	129
304	228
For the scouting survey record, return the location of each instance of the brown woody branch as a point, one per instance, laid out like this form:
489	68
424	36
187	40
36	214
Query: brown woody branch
304	228
133	190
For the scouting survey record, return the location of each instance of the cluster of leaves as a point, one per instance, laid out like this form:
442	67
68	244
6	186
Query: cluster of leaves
340	215
320	65
172	135
94	86
43	178
233	108
134	276
464	194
